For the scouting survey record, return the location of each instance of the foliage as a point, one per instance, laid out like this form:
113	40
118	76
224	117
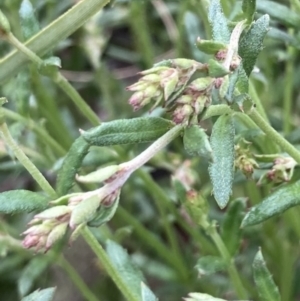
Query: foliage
193	168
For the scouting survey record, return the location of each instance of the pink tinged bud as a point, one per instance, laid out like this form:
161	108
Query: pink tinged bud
136	99
85	211
184	99
99	175
57	233
201	84
30	241
139	86
166	74
221	55
236	61
182	114
150	78
54	213
110	199
154	70
42	229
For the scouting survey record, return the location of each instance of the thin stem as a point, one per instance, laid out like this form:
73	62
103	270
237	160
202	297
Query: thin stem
108	265
77	280
59	79
25	161
46	138
274	135
50	36
232	271
257	101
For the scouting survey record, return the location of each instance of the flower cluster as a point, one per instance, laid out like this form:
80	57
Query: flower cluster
168	85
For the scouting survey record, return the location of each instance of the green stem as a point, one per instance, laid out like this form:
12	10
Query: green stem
232	271
77	280
59	79
45	137
257	101
50	36
25	161
108	265
274	135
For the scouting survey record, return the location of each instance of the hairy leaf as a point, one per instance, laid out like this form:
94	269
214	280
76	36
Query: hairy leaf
221	170
46	294
196	141
252	43
210	46
128	131
274	204
147	294
218	22
279	12
128	272
71	164
16	201
249	7
265	285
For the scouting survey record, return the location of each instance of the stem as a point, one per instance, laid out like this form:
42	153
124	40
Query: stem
257	101
108	265
232	271
50	36
59	79
77	280
274	135
25	161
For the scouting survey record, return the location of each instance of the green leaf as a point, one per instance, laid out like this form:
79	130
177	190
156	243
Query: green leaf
231	232
50	66
243	81
129	273
31	273
218	22
29	23
249	8
196	141
46	294
252	43
105	214
71	164
16	201
216	69
147	294
281	35
201	297
180	190
265	285
210	46
276	203
128	131
221	170
208	265
279	12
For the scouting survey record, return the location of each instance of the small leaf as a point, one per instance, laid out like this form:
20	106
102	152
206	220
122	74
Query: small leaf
99	175
29	23
208	265
105	214
147	294
50	66
128	131
265	285
210	46
231	232
218	22
274	204
279	12
196	141
249	8
16	201
201	297
215	69
71	164
46	294
31	273
221	170
129	273
252	43
180	190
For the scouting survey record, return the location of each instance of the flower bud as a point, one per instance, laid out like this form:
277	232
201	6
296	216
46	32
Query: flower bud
56	212
154	70
57	233
185	99
30	241
184	63
201	84
85	211
139	86
136	99
151	78
42	229
200	103
99	175
109	200
169	86
182	113
4	24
